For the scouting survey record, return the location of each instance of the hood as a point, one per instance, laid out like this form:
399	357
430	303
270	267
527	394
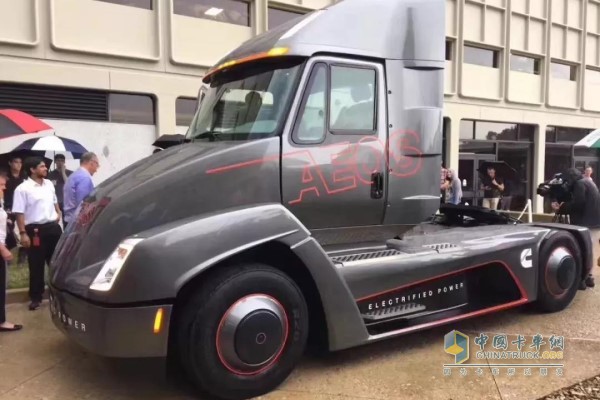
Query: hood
186	181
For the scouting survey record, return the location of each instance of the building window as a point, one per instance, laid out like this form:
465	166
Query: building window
489	130
55	102
525	64
131	108
229	11
145	4
185	109
278	16
481	56
449	49
563	71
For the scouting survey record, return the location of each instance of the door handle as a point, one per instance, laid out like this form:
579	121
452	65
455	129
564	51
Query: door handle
376	185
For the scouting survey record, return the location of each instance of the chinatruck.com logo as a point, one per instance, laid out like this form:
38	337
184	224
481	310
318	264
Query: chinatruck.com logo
502	353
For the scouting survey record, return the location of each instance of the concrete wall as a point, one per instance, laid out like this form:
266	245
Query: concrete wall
96	44
117	145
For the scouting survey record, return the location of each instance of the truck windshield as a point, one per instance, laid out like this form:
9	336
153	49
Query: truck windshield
246	103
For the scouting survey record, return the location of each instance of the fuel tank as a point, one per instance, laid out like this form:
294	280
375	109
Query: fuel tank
175	184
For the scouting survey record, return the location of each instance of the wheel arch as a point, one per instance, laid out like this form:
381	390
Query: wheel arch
582	237
280	256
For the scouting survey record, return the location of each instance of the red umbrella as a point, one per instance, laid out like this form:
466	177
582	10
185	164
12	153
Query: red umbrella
15	122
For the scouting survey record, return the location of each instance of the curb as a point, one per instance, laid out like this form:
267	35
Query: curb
20	295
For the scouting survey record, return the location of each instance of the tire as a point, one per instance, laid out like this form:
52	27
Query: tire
215	355
560	267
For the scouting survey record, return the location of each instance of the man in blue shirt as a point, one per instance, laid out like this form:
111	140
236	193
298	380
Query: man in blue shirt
79	186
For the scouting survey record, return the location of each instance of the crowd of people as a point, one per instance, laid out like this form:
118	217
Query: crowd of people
492	185
583	207
35	207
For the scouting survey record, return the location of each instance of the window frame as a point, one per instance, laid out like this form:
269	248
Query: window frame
177	115
248	23
153	101
496	55
328	131
375	97
278	7
574	71
304	99
537	63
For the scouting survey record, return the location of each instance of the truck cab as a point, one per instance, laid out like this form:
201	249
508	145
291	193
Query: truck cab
303	207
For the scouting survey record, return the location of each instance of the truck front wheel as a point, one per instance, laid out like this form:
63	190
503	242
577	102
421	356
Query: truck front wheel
560	272
243	331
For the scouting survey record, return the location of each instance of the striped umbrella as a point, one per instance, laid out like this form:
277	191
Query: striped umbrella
15	122
591	140
53	144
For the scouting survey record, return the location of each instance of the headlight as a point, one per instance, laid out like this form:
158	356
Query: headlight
111	268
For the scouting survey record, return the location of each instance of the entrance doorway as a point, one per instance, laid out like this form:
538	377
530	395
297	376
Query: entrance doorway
468	164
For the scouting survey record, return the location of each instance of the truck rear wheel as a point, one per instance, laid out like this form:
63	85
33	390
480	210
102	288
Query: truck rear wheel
243	331
560	269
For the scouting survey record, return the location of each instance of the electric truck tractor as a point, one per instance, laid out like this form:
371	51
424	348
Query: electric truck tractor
303	207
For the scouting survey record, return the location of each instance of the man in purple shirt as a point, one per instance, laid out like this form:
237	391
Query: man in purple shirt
79	186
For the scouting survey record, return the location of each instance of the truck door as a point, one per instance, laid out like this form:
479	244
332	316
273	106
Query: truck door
333	154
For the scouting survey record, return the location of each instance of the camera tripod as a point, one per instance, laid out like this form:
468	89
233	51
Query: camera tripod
561	218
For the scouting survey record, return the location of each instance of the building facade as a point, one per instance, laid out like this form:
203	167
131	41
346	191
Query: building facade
116	74
522	77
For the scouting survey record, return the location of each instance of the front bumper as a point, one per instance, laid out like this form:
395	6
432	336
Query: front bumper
122	332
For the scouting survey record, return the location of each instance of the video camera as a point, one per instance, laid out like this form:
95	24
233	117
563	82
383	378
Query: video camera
558	189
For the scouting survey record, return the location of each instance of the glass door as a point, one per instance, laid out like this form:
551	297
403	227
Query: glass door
468	164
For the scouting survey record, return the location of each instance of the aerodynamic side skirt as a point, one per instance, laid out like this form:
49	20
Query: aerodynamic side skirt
444	321
469	314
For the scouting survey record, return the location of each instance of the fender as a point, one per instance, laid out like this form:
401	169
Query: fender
171	255
583	237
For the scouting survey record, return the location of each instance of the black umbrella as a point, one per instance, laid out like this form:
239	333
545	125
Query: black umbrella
23	154
503	170
165	141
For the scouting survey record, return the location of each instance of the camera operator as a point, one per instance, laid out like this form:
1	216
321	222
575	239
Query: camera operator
583	209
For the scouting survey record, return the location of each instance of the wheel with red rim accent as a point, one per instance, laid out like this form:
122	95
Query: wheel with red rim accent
243	331
560	272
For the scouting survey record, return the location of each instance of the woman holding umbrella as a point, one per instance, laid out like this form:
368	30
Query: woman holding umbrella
6	255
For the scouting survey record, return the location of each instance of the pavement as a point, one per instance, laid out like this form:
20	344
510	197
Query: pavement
39	363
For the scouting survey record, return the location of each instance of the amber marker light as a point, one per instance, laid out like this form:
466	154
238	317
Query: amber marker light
274	52
158	320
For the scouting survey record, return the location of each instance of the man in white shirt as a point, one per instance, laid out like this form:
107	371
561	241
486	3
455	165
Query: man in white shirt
36	207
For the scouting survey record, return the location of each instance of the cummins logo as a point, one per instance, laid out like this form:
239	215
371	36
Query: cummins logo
526	258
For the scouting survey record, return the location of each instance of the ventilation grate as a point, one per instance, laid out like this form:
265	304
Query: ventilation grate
366	256
441	246
393	312
55	102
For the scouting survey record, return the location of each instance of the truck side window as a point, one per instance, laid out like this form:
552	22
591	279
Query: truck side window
310	127
352	99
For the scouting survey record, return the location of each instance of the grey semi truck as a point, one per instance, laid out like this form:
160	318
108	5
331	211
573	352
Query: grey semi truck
303	207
